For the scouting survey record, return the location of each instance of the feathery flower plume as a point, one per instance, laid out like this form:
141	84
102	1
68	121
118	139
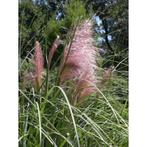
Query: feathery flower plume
55	45
106	76
39	65
79	62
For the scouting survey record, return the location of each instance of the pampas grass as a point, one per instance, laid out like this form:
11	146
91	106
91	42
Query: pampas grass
80	62
49	119
39	64
55	45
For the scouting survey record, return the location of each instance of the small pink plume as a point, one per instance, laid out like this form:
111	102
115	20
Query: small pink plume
80	62
106	76
55	45
39	64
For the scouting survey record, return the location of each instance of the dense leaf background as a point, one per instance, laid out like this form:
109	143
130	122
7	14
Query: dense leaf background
43	20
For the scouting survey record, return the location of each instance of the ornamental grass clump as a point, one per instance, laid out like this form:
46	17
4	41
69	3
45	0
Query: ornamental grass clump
79	64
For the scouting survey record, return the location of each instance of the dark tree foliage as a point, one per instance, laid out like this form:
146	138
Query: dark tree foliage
43	20
114	17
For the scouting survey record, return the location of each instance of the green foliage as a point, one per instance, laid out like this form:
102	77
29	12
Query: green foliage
36	24
75	11
114	23
31	22
47	118
102	120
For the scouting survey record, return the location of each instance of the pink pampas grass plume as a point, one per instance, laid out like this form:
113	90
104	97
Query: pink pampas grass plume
35	75
80	63
106	76
55	45
39	65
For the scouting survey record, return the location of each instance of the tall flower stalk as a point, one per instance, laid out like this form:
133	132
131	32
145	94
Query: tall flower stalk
80	63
